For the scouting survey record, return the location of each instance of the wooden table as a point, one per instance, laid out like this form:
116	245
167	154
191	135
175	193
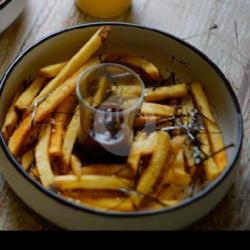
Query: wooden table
218	28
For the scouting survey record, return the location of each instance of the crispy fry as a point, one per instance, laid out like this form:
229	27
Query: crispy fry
168	92
25	100
70	138
175	147
82	57
61	93
19	136
177	173
42	157
27	159
62	115
91	182
117	204
158	158
53	70
215	135
154	94
101	92
11	118
126	90
157	109
141	63
143	145
76	165
121	170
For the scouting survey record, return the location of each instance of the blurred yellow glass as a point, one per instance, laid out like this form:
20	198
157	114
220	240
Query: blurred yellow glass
103	8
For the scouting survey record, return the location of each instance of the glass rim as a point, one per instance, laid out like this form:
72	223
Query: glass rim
91	68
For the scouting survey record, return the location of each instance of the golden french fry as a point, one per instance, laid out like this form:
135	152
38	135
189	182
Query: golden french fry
143	145
76	165
141	63
26	98
175	146
63	112
156	164
42	157
61	93
167	92
215	135
211	168
82	57
70	138
27	159
19	136
126	90
172	192
117	204
101	92
53	70
177	173
92	182
157	110
154	94
11	118
121	170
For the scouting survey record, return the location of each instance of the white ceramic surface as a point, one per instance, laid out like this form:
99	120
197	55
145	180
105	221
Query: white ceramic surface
166	52
9	11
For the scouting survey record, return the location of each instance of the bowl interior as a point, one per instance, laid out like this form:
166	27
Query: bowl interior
167	53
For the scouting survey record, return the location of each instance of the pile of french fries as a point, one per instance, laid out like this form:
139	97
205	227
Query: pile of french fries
43	123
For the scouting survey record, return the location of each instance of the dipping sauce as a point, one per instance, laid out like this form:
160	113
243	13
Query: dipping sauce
103	8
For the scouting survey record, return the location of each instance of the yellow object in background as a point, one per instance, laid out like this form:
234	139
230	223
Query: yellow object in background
103	8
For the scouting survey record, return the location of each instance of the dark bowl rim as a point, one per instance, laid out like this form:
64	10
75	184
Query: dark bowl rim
4	4
69	204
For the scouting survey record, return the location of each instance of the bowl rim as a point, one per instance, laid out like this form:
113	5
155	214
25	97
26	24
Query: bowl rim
69	204
4	4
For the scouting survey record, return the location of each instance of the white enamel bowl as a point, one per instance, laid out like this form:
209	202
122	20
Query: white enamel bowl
166	51
9	11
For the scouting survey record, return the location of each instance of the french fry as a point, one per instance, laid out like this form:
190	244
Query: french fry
117	204
91	182
42	157
215	135
157	109
101	92
20	134
127	90
27	159
211	168
143	145
156	164
61	93
82	57
76	165
175	147
177	173
167	92
172	192
121	170
53	70
26	98
154	94
70	138
62	114
141	63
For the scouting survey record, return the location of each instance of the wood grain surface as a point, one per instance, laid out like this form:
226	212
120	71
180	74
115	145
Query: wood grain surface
220	28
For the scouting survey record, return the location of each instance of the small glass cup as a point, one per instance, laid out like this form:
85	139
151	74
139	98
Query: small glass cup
110	96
